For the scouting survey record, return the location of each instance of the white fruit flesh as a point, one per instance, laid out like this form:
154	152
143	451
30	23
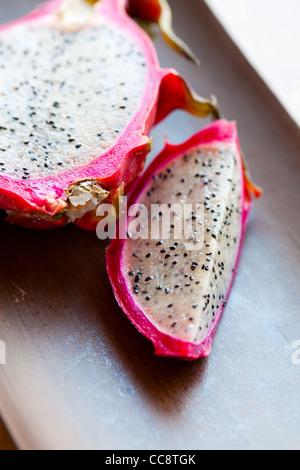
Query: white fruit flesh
181	291
66	96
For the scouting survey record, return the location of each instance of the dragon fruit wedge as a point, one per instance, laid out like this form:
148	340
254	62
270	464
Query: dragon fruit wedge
174	289
80	88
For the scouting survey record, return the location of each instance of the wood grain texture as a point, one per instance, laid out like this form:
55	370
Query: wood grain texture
79	376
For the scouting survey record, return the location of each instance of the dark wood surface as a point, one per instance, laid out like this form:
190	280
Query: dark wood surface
79	376
6	442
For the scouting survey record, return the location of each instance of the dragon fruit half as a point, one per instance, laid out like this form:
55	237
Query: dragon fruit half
174	289
80	88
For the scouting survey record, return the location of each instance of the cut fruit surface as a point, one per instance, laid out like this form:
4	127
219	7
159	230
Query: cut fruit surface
175	289
80	109
77	106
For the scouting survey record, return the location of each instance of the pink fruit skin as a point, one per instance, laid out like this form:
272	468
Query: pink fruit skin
147	9
220	132
125	160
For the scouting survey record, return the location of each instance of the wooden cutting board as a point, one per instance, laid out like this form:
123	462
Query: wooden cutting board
79	376
5	439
